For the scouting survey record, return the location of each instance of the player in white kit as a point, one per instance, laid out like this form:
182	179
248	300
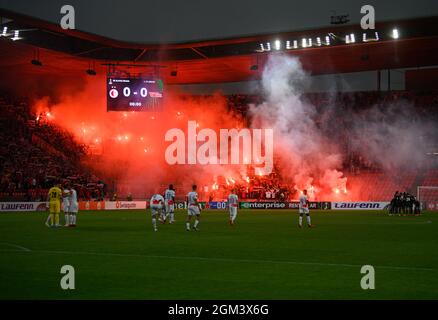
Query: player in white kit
156	204
66	205
193	208
304	209
169	205
74	207
232	206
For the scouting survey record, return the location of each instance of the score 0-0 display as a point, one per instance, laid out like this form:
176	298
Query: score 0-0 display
134	94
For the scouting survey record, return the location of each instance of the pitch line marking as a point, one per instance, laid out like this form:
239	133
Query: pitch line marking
225	259
16	246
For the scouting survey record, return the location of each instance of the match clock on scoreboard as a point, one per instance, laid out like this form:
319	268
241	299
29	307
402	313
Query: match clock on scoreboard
134	94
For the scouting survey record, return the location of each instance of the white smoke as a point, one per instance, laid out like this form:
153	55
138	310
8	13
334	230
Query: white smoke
392	136
309	141
307	156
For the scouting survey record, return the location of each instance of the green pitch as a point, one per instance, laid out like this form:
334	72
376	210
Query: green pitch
116	254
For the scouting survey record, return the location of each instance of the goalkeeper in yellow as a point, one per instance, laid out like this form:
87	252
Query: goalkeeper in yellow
54	199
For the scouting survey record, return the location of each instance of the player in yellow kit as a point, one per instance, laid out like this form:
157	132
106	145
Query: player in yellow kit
54	198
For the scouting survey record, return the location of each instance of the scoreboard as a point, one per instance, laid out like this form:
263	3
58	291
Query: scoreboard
134	94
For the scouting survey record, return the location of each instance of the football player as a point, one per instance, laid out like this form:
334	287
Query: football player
232	206
156	205
193	208
169	204
304	209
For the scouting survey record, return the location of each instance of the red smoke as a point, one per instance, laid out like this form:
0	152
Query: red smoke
130	146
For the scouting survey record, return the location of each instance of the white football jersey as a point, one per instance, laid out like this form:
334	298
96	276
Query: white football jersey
73	197
192	198
232	200
169	194
157	199
66	199
303	201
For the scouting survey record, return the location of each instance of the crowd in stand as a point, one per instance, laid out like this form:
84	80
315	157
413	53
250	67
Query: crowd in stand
55	136
35	154
425	105
270	187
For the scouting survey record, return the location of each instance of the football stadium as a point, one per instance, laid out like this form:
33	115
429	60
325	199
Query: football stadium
228	150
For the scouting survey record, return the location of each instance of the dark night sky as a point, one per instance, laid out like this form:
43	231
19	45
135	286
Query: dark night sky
159	21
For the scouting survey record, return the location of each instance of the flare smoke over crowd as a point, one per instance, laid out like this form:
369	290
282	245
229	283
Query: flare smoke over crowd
307	141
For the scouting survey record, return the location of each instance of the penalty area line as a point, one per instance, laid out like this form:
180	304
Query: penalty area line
16	246
109	254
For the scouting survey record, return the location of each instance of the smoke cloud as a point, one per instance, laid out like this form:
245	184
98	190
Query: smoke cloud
309	142
312	143
130	146
307	157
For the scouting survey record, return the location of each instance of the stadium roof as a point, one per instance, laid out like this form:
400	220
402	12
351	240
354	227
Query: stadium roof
176	21
223	60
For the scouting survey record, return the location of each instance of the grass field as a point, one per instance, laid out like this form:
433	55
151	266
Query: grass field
116	254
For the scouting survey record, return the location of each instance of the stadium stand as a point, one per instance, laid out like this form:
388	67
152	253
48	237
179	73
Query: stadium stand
430	180
35	152
368	178
30	163
379	186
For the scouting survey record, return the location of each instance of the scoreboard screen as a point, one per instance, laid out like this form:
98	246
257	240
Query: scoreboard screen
134	94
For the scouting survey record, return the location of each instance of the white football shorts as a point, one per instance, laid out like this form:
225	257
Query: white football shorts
193	210
74	207
169	206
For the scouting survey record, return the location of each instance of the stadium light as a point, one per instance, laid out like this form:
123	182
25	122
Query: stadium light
4	33
395	34
16	35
